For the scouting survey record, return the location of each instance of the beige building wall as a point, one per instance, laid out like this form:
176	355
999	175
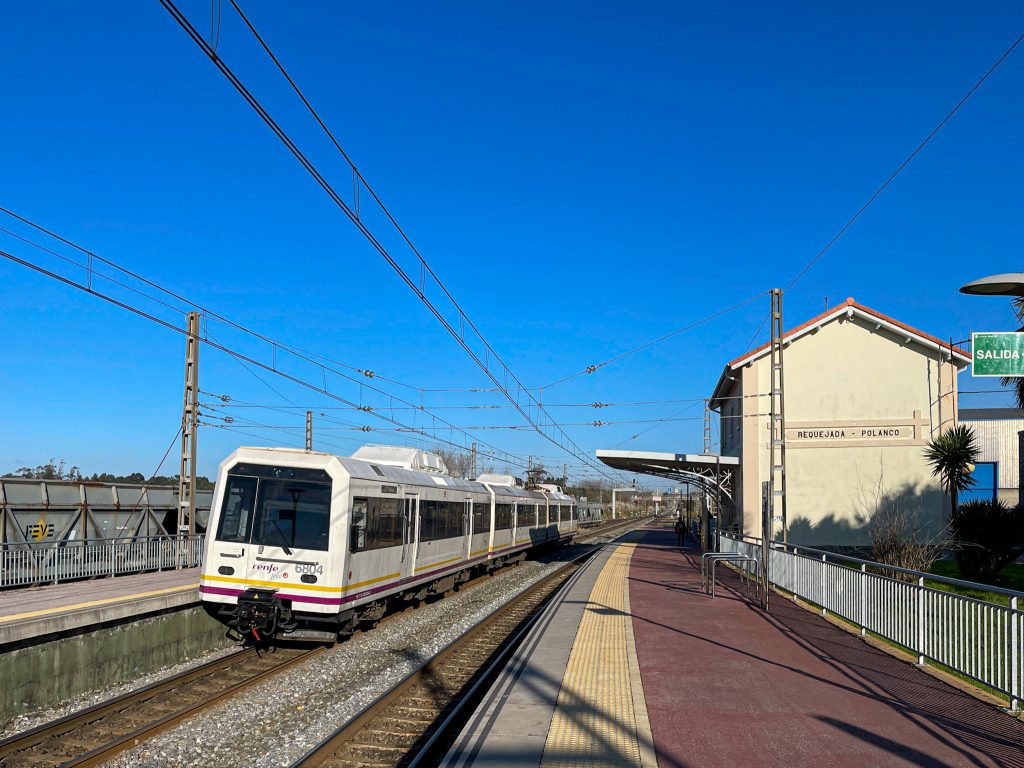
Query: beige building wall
862	399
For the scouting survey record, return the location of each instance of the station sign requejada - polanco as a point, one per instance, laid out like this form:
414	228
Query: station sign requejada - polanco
997	354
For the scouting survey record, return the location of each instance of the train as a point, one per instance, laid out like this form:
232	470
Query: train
306	545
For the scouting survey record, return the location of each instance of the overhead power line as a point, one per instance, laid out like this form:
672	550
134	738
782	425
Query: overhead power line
500	456
597	366
232	403
91	272
904	164
463	330
309	357
655	426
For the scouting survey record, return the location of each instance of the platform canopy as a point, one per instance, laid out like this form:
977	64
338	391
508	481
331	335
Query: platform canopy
704	469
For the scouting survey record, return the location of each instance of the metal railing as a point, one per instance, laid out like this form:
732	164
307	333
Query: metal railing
977	639
25	564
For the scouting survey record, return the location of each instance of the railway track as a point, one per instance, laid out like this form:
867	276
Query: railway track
404	725
408	724
96	734
609	528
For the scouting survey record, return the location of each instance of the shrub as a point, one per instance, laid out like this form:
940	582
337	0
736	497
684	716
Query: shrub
987	536
899	537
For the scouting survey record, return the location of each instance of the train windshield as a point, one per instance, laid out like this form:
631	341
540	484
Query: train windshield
276	506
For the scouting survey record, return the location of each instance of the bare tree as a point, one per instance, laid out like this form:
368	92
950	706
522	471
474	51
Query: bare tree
901	534
459	463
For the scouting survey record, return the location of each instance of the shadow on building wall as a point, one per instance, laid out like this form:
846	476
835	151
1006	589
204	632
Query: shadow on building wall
917	514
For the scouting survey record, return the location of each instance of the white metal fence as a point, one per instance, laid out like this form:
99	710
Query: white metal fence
68	560
978	639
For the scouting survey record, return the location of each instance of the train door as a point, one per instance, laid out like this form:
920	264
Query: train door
410	534
467	527
515	522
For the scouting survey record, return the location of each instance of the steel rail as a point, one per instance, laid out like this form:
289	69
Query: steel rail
62	746
60	749
366	734
433	689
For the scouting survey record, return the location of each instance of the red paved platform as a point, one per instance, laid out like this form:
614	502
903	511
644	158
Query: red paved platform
728	685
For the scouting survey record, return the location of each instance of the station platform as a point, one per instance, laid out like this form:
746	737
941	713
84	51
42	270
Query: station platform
33	613
633	665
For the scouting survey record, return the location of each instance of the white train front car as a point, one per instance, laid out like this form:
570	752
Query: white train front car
306	545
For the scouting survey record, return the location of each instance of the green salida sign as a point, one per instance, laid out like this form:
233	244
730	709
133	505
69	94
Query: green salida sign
998	354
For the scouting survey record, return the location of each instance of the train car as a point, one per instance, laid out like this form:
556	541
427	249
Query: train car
306	545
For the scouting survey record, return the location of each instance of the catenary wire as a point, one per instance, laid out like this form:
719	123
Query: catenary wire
464	321
594	368
301	354
209	313
227	350
904	164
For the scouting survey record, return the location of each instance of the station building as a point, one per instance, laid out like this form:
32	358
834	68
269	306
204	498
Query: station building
863	395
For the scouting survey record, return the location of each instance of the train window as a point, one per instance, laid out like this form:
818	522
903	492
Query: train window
357	538
502	516
481	517
266	506
441	519
376	524
283	473
386	523
236	511
292	515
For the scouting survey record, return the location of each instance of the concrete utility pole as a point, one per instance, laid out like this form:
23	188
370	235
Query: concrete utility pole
309	430
189	423
565	478
472	461
614	491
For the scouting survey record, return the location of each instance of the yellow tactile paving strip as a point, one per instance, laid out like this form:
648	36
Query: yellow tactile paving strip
600	717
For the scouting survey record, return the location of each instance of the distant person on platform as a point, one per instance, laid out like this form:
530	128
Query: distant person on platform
680	528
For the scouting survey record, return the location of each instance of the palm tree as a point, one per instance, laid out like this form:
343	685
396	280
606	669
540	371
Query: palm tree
952	456
1016	383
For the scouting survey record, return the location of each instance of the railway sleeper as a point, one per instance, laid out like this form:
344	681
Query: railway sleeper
375	736
390	724
414	714
375	751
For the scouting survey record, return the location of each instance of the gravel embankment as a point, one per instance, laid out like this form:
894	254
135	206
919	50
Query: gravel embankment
283	717
280	719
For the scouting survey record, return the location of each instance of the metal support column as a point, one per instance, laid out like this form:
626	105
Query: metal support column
718	503
472	461
777	477
309	430
189	422
766	511
707	426
774	508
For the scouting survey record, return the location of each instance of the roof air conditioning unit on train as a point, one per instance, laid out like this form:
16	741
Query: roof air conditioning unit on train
399	456
504	480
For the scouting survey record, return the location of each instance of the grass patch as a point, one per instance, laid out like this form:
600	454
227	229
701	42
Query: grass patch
1011	578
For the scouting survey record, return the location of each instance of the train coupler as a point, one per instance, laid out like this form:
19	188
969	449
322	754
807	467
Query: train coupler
261	614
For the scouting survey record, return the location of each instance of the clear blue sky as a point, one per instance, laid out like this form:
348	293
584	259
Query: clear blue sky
584	176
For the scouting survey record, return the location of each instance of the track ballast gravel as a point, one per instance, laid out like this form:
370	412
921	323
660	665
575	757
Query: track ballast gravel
279	720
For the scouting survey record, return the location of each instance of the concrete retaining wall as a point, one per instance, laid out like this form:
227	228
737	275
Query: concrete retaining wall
47	673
